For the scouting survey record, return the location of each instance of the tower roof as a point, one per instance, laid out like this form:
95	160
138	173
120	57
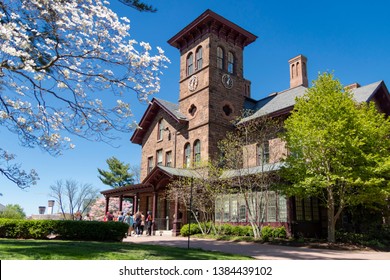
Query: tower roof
210	22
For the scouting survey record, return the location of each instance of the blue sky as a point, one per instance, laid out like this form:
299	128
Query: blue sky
351	38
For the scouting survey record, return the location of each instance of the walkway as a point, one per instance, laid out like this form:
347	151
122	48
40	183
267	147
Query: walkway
261	251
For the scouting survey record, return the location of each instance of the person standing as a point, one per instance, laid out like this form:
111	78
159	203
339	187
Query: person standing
138	220
149	223
142	223
130	221
121	217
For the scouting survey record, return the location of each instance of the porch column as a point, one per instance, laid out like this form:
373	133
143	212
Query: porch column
107	202
120	202
135	203
176	222
154	209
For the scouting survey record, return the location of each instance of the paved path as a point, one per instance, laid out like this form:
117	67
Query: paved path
261	251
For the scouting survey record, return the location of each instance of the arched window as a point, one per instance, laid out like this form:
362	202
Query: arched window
199	58
197	152
231	62
187	155
160	130
220	56
190	64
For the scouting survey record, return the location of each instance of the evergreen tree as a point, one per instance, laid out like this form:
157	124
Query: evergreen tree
139	6
118	174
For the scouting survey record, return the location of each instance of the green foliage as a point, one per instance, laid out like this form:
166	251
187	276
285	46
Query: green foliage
119	174
377	237
268	232
65	230
339	149
185	229
13	211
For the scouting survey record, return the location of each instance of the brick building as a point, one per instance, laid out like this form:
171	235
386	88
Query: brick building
213	91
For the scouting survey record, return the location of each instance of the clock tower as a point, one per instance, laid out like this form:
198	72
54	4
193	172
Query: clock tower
212	86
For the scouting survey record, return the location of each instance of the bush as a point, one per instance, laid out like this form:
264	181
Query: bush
280	232
185	229
268	232
66	230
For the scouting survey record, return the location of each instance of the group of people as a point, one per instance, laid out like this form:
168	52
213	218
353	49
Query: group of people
136	222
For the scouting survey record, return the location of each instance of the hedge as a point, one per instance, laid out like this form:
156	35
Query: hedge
65	230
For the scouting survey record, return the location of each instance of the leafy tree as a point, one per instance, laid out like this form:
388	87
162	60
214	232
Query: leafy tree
197	193
245	173
13	211
119	174
138	5
73	197
339	150
61	64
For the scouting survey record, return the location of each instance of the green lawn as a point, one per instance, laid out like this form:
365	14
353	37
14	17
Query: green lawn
14	249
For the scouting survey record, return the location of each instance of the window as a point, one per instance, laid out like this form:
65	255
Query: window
190	64
263	153
187	155
220	60
299	209
160	131
282	209
199	58
271	209
150	164
227	110
307	207
230	63
159	156
168	159
192	110
197	152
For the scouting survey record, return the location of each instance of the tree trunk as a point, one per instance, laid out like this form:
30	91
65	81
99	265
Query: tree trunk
331	217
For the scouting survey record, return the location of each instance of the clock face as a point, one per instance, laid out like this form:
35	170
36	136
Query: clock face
227	81
193	83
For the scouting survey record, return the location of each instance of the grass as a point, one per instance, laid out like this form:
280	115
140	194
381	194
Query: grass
16	249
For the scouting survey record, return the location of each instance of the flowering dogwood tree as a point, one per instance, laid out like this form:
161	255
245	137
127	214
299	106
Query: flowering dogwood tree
59	61
97	209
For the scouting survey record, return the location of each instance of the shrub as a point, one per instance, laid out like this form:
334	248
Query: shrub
185	229
280	232
66	230
266	233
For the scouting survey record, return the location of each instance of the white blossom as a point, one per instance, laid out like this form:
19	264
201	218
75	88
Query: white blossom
60	61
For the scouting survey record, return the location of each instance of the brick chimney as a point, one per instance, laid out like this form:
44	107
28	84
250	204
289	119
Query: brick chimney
298	71
352	86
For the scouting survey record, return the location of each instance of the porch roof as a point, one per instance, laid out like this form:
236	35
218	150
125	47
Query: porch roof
251	170
127	190
149	183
